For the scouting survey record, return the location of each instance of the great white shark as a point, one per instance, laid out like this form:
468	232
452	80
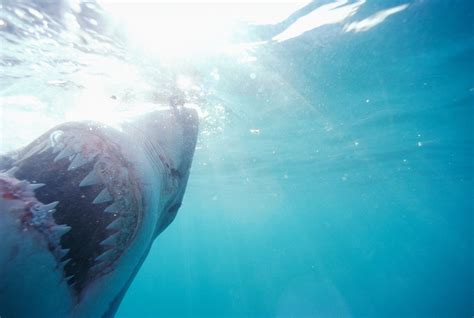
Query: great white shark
80	207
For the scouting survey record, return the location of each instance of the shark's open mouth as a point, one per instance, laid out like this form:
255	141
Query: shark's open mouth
81	205
99	203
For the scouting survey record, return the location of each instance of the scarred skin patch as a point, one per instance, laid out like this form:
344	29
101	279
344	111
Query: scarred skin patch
80	207
18	199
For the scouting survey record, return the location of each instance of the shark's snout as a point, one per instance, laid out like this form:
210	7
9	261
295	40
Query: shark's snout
169	139
170	133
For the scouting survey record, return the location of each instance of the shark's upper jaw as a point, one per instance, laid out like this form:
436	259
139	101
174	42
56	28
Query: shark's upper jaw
99	207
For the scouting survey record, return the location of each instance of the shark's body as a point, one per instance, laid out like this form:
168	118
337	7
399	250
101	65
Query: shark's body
80	207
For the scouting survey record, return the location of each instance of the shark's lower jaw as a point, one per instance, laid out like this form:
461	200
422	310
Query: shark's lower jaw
95	200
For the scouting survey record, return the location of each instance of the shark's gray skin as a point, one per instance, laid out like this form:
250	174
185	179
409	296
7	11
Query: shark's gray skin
80	207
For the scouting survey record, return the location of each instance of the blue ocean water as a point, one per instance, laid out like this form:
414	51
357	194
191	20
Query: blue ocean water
334	170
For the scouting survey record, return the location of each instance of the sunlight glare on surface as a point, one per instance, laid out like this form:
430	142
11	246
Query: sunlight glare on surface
331	13
374	20
184	29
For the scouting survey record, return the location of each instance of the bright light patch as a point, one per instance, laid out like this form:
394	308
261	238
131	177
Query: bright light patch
331	13
373	20
34	120
186	29
184	82
94	104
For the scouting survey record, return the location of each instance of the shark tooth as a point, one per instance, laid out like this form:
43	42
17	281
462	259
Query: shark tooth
66	152
103	196
64	263
60	230
110	241
113	208
63	252
56	140
105	256
50	206
70	280
98	267
57	148
78	161
91	179
11	172
115	225
23	184
36	149
35	186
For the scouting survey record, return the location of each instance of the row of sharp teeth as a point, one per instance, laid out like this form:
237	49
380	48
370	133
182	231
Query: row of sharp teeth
92	178
113	242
